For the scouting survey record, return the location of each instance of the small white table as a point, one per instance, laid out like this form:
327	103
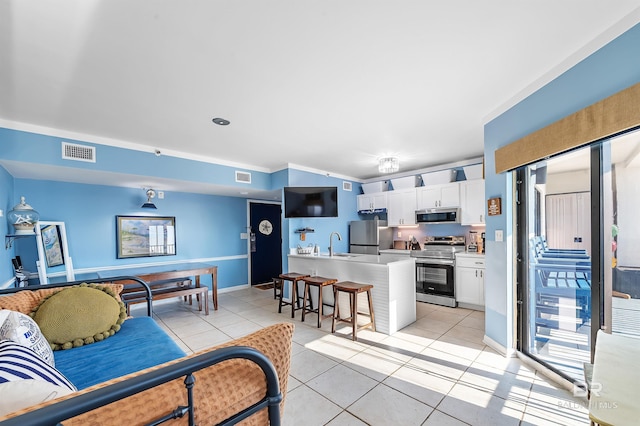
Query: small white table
616	377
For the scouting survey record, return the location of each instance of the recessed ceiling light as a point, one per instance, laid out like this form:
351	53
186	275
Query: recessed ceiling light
221	121
244	193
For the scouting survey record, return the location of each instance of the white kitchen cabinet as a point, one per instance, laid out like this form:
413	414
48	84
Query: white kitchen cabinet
472	206
401	207
373	201
433	196
469	280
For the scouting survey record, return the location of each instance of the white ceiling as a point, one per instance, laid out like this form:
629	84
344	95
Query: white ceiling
328	85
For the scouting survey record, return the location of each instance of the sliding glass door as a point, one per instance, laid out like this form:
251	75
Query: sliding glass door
555	231
578	239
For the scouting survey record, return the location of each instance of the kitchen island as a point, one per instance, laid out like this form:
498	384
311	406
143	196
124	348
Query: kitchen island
392	276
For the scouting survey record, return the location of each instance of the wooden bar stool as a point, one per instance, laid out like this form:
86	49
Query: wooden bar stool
294	277
353	289
318	282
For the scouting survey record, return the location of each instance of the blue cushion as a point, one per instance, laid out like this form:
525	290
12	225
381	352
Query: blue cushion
139	344
18	362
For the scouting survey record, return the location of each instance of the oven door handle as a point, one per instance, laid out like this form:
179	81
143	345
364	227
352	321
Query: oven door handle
445	262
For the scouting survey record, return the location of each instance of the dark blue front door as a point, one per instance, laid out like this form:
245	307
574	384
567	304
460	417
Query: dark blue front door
266	260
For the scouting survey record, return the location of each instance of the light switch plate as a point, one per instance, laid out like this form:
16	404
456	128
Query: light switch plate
499	235
244	235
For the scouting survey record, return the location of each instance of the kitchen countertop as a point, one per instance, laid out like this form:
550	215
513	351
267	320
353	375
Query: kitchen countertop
470	254
382	259
395	251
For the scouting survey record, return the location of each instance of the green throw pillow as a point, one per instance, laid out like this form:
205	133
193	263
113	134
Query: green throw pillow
79	315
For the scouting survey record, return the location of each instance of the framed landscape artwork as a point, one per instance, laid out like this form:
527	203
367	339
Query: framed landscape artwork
145	236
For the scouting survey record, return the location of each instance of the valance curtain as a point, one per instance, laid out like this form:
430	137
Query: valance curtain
616	114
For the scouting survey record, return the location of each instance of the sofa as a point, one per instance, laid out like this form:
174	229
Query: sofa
137	375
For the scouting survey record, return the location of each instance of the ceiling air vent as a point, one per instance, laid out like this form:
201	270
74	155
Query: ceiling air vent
243	177
72	151
346	186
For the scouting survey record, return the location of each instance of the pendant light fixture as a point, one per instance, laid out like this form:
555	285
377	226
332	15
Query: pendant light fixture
388	165
149	205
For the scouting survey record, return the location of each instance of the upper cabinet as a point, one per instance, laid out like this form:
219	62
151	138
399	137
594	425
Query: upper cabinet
432	196
472	202
401	207
374	201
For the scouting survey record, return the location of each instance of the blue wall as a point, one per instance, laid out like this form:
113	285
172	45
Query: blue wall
607	71
207	227
43	149
323	226
6	203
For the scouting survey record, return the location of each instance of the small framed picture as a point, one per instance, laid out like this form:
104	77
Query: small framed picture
52	246
145	236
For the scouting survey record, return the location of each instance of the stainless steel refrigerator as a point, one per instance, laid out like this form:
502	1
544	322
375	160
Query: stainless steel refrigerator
369	236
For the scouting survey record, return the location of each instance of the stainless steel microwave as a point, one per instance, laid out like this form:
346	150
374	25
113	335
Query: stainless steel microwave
438	216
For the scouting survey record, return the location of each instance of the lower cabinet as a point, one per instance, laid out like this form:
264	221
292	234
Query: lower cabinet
469	280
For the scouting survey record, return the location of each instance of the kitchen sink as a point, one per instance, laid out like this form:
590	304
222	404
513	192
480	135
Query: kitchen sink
344	255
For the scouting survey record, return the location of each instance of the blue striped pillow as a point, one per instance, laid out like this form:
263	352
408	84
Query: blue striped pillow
18	362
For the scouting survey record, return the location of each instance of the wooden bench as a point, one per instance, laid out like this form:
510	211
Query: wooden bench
164	289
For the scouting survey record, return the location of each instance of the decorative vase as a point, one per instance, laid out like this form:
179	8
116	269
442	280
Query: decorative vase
23	218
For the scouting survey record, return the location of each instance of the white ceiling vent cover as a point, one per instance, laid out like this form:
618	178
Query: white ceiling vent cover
243	177
346	186
72	151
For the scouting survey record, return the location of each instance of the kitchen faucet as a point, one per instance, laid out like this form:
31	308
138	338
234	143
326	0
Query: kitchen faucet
331	242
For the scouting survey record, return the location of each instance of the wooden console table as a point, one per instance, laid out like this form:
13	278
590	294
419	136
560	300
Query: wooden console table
167	272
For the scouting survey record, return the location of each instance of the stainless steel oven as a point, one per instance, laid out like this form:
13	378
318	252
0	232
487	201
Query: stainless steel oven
435	266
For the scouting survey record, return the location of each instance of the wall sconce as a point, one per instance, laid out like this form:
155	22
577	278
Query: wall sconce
388	165
149	205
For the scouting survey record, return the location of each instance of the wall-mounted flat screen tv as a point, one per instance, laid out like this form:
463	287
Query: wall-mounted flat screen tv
311	201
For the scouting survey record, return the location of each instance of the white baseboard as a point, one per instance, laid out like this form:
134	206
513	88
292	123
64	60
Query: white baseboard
507	353
234	288
8	284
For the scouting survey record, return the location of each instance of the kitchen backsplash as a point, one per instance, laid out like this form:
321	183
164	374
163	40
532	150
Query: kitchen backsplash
440	230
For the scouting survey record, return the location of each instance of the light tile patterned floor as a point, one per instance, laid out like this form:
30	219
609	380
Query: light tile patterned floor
436	371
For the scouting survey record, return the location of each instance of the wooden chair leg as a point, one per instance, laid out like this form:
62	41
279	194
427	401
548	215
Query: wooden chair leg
280	301
294	297
304	300
354	315
373	321
335	310
319	306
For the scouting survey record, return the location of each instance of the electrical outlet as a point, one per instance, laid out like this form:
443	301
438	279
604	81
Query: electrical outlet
499	235
244	235
161	195
399	234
